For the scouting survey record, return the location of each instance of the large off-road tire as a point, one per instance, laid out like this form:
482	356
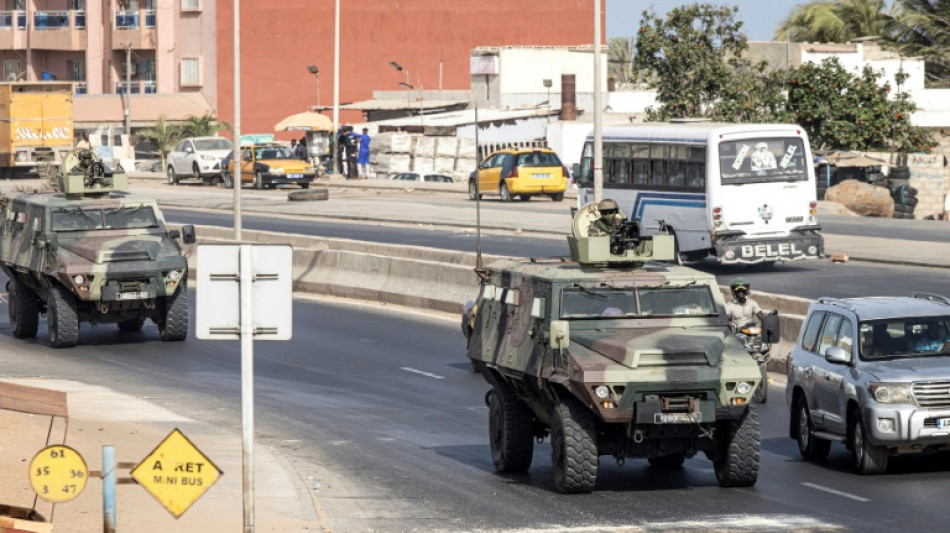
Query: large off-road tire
505	194
172	178
62	318
473	191
174	324
675	460
738	461
258	181
24	309
866	458
761	394
132	324
510	424
809	446
573	448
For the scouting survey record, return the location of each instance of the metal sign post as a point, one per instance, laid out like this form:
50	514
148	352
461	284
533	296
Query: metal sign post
259	304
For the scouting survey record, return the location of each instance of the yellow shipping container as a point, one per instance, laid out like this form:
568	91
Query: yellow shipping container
36	124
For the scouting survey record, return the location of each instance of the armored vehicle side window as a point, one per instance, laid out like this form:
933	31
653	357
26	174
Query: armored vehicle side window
594	303
79	219
584	303
130	217
76	219
829	332
677	301
810	338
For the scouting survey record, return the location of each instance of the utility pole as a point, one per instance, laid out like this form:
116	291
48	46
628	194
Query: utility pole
128	89
336	85
236	158
598	162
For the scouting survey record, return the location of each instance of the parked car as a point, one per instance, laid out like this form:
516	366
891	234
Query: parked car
521	172
198	158
429	178
268	165
874	374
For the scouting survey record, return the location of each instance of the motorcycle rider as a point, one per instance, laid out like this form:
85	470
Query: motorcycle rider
741	309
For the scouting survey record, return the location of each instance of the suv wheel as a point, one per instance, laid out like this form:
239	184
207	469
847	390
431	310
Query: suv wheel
195	172
62	319
866	458
473	191
505	195
174	325
524	197
509	426
557	197
810	446
24	308
227	180
258	181
172	178
573	448
738	461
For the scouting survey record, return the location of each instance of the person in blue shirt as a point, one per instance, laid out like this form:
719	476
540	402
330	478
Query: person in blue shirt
362	160
930	338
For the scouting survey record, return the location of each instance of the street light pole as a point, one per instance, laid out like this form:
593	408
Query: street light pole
316	72
398	67
336	85
598	162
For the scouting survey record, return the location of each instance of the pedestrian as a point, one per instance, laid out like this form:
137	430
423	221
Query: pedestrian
302	149
362	160
352	148
83	143
293	147
341	148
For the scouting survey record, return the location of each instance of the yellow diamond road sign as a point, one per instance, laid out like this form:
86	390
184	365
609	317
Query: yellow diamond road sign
176	473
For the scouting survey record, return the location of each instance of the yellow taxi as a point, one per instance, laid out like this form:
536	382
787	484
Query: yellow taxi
269	165
521	172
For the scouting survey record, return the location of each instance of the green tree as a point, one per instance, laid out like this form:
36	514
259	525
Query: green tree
163	135
685	56
839	21
203	126
924	31
842	110
620	60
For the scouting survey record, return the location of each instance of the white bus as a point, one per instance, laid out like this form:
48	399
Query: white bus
744	193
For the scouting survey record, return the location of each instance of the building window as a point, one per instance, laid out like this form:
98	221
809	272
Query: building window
12	69
190	5
190	72
147	69
77	69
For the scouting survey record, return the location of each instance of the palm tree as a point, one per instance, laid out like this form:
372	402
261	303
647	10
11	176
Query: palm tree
839	21
924	31
620	59
163	135
203	126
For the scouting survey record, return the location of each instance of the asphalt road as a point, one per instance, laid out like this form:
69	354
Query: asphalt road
807	279
402	415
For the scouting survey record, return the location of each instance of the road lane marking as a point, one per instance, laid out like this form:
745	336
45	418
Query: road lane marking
837	492
734	524
420	372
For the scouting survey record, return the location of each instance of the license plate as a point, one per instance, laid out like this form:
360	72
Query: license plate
296	176
141	295
943	423
677	418
541	175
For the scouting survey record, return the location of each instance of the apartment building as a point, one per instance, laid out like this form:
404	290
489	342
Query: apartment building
161	52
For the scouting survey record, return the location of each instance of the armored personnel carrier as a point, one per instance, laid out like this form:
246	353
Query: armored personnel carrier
91	253
612	353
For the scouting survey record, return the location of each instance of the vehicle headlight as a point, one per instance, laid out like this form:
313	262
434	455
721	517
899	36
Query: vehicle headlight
78	280
278	170
744	388
309	170
602	392
891	392
209	157
173	274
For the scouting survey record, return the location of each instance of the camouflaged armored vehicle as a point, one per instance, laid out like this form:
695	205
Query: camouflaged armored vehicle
611	353
91	253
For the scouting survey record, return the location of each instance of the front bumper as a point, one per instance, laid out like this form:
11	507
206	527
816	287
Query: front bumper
289	178
744	249
909	425
209	168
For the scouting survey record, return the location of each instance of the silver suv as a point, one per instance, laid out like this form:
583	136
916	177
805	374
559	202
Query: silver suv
874	374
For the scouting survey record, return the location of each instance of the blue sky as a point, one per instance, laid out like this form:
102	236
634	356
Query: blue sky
760	17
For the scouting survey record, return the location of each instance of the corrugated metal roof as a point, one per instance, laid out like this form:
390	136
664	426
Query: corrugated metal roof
145	108
467	116
393	105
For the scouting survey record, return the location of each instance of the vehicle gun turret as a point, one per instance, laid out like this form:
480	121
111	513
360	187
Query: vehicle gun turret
624	244
84	174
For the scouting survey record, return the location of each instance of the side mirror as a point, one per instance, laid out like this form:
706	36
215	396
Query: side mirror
174	234
188	234
576	170
559	334
838	355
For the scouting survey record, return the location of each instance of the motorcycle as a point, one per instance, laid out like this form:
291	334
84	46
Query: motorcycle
759	346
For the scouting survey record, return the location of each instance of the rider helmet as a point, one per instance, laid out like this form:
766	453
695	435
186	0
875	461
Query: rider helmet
740	284
607	207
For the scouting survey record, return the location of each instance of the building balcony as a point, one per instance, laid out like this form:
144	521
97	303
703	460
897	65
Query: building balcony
135	28
136	87
58	30
12	30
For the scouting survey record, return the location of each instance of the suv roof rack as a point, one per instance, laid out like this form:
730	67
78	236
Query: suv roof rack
838	302
932	297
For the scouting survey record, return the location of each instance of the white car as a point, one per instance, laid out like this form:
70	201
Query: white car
198	158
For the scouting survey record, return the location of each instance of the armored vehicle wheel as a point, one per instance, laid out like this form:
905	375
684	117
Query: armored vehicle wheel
738	461
174	325
258	181
509	427
24	309
761	394
62	319
505	195
866	458
227	180
132	324
473	191
573	448
668	461
172	178
810	446
557	197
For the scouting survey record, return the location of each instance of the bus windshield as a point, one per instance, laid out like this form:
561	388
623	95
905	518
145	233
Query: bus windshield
762	160
581	302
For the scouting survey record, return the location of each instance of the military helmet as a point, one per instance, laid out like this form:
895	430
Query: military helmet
740	283
607	207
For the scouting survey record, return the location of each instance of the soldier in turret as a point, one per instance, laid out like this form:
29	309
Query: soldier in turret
610	218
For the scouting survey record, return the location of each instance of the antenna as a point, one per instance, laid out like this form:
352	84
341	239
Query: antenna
479	268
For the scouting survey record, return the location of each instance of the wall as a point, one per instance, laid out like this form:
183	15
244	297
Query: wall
280	39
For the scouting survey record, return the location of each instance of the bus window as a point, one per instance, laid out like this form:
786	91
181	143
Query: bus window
758	160
641	171
658	172
676	173
696	175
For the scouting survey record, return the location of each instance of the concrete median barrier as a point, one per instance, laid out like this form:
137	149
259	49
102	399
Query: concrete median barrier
424	278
